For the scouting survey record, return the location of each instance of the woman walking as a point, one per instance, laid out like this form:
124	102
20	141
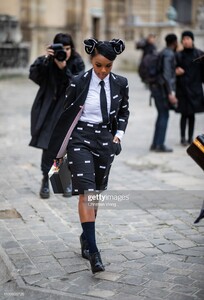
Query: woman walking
100	99
189	90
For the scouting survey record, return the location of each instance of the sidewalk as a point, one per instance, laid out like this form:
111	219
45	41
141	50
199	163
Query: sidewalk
149	245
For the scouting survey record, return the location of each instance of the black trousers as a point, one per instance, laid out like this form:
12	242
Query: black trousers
90	153
46	162
190	120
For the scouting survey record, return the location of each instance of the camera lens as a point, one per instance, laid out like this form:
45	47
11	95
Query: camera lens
60	55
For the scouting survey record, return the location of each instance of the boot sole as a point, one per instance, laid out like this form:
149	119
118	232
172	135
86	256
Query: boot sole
44	196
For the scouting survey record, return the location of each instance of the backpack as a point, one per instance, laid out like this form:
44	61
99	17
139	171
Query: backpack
150	68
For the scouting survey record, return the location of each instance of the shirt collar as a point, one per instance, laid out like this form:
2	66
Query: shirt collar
97	80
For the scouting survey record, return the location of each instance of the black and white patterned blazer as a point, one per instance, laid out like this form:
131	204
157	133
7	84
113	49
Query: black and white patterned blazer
75	97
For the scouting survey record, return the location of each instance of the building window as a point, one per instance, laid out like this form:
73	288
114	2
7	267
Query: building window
184	10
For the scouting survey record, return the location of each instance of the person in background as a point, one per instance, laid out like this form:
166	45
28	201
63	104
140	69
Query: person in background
164	94
99	99
52	72
189	90
147	45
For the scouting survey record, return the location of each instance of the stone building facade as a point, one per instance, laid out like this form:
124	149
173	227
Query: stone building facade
130	20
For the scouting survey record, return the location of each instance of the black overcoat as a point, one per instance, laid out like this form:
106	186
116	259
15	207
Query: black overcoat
75	97
48	103
189	89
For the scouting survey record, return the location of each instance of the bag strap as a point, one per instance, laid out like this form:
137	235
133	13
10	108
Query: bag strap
63	148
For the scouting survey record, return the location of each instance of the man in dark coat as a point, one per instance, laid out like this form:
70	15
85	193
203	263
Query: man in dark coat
52	73
163	92
189	88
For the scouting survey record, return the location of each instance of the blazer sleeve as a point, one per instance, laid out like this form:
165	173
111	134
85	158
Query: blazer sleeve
71	94
123	111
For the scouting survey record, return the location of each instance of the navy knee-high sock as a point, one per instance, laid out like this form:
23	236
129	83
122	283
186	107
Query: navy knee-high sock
83	236
89	233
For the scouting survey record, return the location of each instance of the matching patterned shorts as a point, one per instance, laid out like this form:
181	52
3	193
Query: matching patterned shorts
90	154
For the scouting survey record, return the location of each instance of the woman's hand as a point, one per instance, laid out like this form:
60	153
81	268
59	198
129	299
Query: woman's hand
50	53
116	140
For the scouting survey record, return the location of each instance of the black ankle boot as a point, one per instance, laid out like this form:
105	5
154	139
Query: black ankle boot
96	263
44	191
84	248
184	142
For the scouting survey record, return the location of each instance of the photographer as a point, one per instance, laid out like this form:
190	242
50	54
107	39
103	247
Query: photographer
52	72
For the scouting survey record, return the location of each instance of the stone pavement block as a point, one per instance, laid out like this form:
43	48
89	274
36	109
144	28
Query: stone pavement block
18	250
139	245
10	245
134	280
195	260
114	267
37	252
198	275
33	279
188	290
130	255
108	276
155	293
101	293
45	238
184	243
158	284
69	262
43	259
183	280
151	251
195	268
174	271
155	268
122	296
76	268
200	294
66	254
177	296
58	285
191	252
169	248
28	270
163	277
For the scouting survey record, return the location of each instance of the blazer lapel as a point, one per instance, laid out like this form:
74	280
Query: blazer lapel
115	95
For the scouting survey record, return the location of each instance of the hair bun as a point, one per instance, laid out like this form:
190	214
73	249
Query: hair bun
90	45
118	45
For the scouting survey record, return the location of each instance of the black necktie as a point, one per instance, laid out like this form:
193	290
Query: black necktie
103	102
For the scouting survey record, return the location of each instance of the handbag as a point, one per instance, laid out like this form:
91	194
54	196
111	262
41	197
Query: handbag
196	150
60	176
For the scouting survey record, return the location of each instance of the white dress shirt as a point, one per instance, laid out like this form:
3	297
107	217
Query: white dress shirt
92	109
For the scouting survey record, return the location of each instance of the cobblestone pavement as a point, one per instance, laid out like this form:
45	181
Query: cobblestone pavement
149	245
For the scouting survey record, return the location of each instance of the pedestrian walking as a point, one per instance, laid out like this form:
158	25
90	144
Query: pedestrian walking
102	98
163	92
189	89
52	72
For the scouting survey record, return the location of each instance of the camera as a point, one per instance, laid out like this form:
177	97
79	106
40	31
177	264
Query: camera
59	52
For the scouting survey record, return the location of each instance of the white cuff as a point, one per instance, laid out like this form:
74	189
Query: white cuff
119	134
